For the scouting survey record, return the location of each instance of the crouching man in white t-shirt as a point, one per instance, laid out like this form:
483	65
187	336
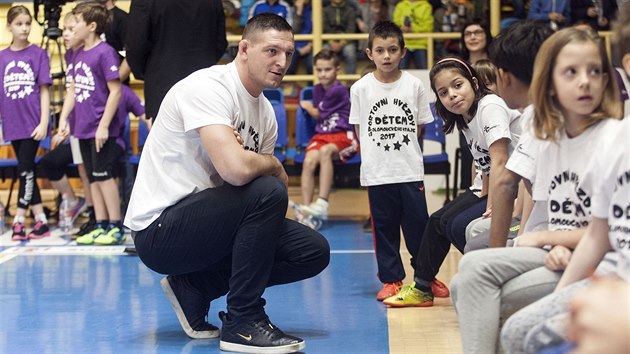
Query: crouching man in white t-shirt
209	202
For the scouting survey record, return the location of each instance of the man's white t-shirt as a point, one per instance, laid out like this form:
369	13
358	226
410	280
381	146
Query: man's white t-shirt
561	177
492	121
174	163
523	159
610	174
389	115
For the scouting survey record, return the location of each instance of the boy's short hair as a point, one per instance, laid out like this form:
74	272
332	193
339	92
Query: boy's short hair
264	22
486	70
327	54
94	11
386	29
621	34
514	48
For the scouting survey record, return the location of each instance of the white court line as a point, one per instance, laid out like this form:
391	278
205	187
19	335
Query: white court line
64	250
95	250
6	257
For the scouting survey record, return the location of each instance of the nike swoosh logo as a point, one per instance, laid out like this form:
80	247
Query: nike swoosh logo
247	338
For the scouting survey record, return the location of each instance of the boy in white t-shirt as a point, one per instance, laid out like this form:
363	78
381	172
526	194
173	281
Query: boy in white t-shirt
388	106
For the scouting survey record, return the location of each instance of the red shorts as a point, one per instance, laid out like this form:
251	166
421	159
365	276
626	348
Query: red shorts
346	143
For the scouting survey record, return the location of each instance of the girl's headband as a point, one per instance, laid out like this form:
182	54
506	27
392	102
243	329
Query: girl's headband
459	61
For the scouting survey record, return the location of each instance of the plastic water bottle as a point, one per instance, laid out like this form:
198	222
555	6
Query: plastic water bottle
65	220
2	226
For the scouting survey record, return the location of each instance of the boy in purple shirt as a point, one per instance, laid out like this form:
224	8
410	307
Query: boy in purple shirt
334	137
24	108
94	96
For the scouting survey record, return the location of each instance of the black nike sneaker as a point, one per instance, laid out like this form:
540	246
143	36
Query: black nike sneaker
256	337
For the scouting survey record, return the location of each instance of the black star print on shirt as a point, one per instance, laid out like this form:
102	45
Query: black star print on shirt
386	147
406	139
397	146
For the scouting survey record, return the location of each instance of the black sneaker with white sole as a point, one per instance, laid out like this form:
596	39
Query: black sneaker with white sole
256	337
190	307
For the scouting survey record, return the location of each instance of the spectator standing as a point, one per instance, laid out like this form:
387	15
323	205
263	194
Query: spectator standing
168	40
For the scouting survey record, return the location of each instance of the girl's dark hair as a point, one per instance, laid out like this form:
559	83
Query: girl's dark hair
486	29
454	63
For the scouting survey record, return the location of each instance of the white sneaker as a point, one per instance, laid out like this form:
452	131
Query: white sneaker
318	209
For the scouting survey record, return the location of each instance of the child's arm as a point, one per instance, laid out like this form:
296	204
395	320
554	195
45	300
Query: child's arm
41	131
68	105
310	109
498	159
102	132
124	70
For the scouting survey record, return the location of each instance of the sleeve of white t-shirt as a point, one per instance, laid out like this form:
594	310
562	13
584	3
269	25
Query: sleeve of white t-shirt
355	106
494	123
523	159
424	111
270	135
212	105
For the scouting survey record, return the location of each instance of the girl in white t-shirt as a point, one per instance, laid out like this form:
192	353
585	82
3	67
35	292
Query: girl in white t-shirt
486	121
573	96
605	178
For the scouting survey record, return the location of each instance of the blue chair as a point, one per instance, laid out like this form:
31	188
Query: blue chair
276	97
304	126
437	164
143	133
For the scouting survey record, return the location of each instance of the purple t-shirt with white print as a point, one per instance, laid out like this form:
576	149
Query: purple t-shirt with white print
92	70
334	108
23	72
129	103
68	57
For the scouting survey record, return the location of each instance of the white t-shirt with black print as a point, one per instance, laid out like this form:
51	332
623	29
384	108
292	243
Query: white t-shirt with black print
492	121
610	174
389	115
174	163
561	177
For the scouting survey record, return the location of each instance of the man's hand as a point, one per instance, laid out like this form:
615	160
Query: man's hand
281	174
239	139
558	258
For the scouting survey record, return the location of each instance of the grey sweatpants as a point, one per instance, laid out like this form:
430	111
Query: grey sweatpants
541	325
491	285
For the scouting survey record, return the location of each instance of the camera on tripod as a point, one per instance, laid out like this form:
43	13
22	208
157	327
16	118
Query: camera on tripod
52	13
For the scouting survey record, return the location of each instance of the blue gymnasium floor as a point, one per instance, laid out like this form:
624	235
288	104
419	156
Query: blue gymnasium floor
56	297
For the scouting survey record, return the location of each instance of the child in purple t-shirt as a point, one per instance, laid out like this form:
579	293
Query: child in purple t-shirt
334	137
25	107
94	96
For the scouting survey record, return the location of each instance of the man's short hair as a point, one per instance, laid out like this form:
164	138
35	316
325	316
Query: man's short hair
514	48
384	30
264	22
94	11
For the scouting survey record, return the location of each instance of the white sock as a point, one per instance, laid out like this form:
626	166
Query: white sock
41	217
322	202
18	219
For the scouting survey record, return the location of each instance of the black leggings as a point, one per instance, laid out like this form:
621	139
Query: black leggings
234	239
25	151
435	242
